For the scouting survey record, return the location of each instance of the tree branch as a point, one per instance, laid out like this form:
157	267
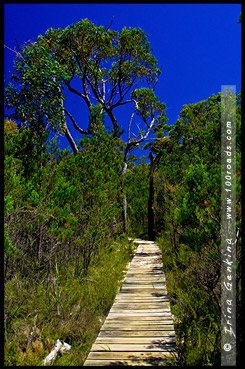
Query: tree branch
122	95
75	125
130	122
85	90
113	120
98	97
75	91
70	139
67	131
110	23
16	52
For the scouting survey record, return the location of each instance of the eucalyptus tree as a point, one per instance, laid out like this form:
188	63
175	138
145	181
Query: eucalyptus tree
106	69
158	149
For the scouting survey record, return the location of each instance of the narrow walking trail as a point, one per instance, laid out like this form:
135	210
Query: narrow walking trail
139	327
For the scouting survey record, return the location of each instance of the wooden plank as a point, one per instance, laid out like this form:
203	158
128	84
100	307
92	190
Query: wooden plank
141	300
138	315
122	299
140	305
146	267
128	355
144	310
140	318
142	297
145	255
129	347
153	294
143	286
130	297
148	340
138	277
150	267
151	274
140	327
147	304
145	278
147	262
147	292
144	326
143	292
140	241
144	273
141	314
142	289
136	333
123	362
130	306
124	307
154	271
136	324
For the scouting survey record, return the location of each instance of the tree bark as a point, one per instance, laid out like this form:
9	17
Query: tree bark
151	232
70	140
154	162
125	221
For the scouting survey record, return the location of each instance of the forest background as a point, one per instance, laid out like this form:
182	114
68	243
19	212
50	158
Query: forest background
68	212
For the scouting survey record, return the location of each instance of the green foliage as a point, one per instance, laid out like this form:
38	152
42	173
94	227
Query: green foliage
188	185
96	118
149	108
37	100
107	63
65	307
136	186
25	146
61	233
194	296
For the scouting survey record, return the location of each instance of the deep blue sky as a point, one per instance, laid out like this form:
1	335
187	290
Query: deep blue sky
198	46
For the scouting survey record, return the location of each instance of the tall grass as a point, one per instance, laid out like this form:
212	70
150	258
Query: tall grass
68	308
194	304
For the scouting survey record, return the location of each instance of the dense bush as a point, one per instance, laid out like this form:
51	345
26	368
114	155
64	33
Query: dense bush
188	198
62	221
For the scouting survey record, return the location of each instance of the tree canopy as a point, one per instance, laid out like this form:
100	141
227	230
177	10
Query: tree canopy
109	66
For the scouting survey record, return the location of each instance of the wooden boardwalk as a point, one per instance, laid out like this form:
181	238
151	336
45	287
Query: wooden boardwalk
139	327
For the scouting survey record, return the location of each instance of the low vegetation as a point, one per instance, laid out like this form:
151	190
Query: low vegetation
64	257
